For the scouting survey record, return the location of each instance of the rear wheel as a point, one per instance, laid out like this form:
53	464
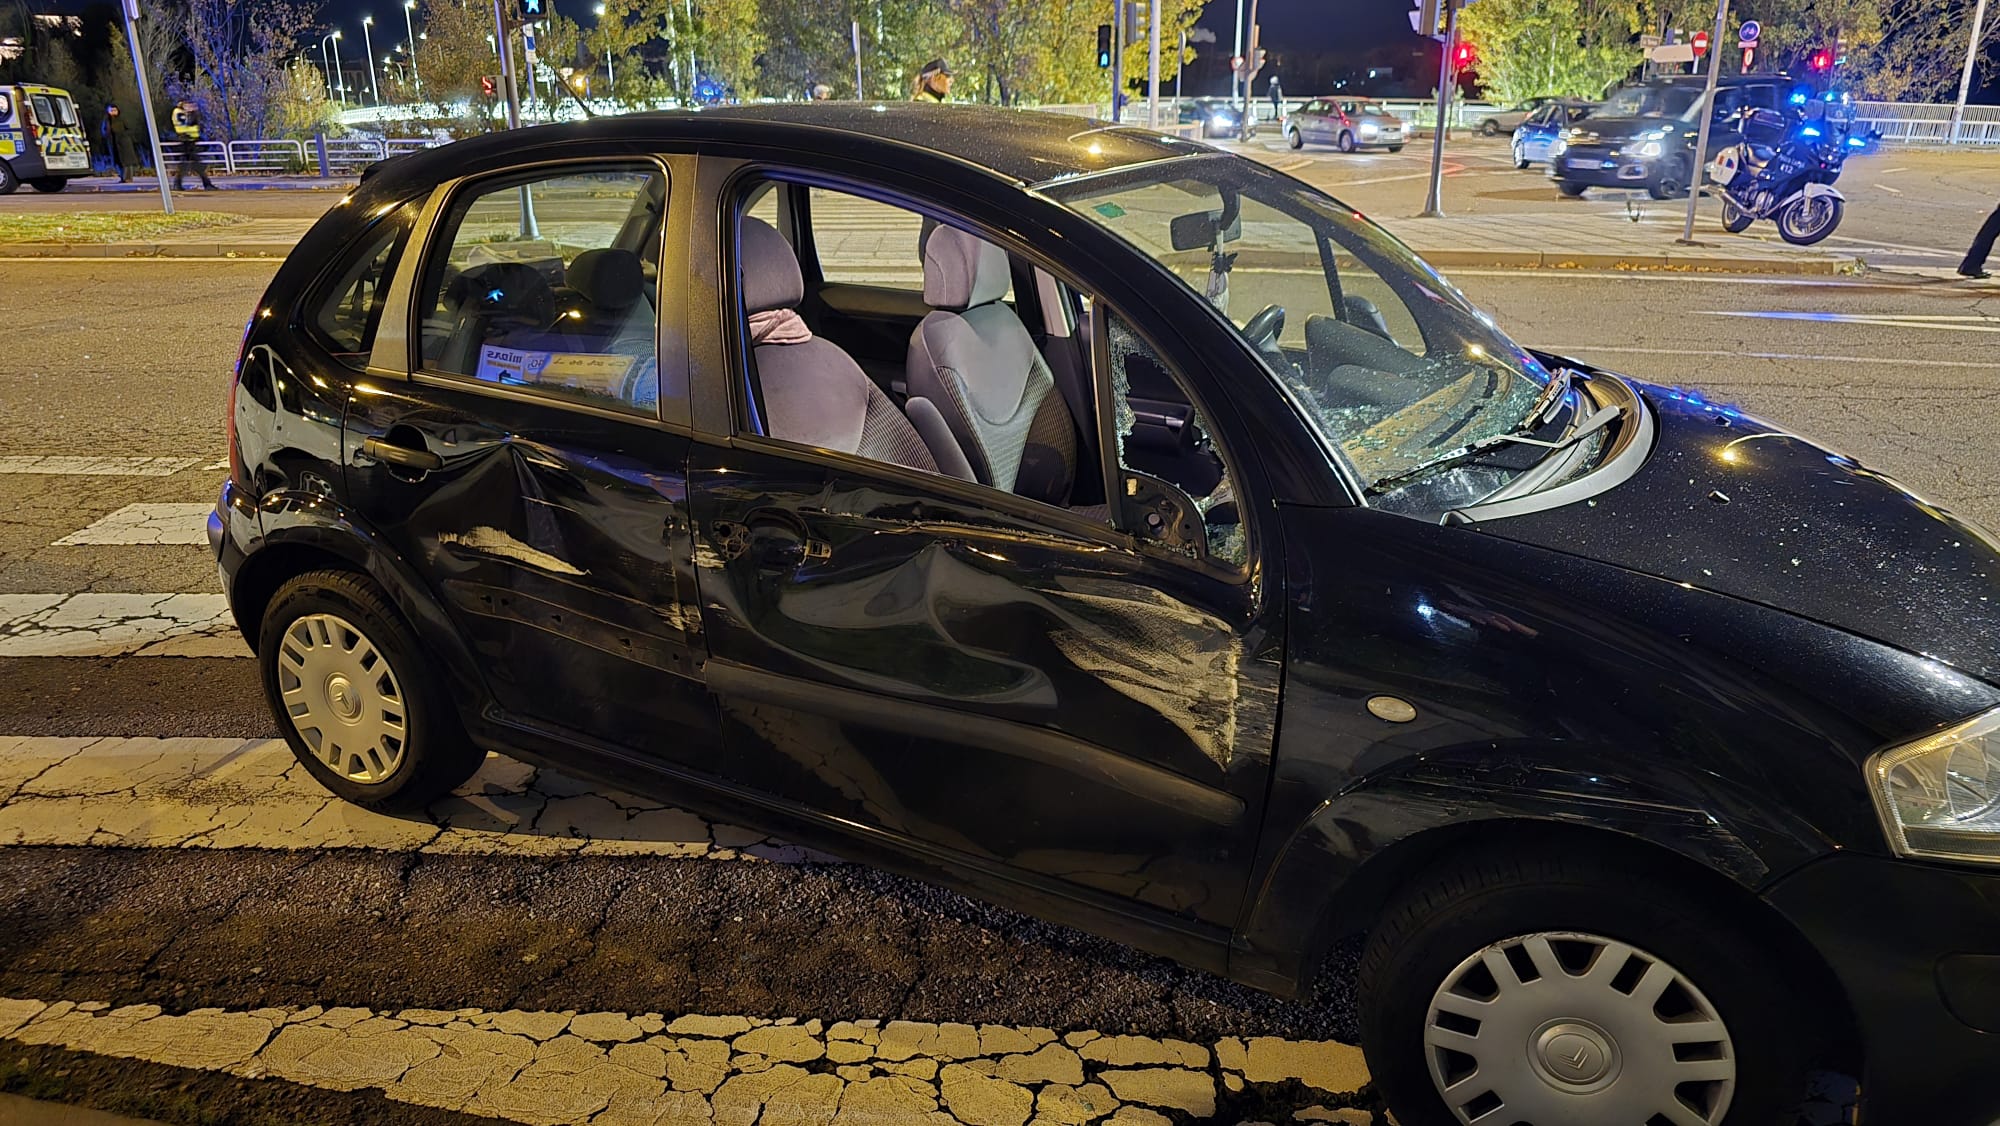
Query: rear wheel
1557	987
1735	220
49	184
1294	138
1489	128
1805	221
1573	191
1347	142
9	182
355	696
1395	148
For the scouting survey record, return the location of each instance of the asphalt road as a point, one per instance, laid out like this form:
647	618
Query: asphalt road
128	359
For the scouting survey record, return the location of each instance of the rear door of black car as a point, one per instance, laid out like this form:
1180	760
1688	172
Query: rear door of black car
530	463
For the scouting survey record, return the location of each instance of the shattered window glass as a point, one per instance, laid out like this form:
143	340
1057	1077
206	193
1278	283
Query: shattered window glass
1160	433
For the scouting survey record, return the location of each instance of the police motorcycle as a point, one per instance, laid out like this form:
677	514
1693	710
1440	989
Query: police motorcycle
1784	167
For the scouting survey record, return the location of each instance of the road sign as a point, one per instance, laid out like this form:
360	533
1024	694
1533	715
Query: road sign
1747	35
1700	43
1672	53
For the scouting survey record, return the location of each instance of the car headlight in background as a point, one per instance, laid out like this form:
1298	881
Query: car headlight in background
1219	121
1649	149
1369	129
1939	797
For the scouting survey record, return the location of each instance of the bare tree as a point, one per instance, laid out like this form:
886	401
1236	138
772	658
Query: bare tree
240	50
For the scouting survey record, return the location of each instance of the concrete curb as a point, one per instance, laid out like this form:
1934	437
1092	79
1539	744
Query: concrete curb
334	185
99	250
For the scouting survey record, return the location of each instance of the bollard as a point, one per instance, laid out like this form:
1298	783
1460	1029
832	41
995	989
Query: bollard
319	146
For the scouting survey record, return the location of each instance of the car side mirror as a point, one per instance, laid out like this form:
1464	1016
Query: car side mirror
1161	513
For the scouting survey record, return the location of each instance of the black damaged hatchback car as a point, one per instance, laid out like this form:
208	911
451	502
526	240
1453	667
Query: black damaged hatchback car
1120	530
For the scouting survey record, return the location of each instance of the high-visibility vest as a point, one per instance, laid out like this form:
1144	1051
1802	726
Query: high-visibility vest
186	126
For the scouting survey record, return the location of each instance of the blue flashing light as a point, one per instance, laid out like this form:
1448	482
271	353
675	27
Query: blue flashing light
1799	97
1808	131
1857	142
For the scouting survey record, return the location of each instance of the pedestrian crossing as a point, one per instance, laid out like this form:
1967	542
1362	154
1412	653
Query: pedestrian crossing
125	810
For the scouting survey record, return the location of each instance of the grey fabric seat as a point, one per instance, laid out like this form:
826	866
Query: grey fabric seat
814	393
972	361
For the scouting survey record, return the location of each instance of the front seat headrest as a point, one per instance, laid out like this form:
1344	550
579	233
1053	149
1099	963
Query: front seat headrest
609	279
771	278
504	288
963	270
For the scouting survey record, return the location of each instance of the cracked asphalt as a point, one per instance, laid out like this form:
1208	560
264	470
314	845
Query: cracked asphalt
128	359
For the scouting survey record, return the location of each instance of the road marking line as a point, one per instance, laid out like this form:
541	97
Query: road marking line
1890	190
252	793
1896	361
1882	320
565	1067
118	625
58	465
152	524
1693	277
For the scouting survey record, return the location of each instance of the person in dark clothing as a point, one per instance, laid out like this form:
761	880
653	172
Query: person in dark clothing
187	130
1974	265
118	143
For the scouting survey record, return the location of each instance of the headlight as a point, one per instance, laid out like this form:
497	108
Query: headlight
1369	129
1218	122
1939	797
1650	148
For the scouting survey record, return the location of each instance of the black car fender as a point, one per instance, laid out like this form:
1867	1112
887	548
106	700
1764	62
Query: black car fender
1358	847
306	531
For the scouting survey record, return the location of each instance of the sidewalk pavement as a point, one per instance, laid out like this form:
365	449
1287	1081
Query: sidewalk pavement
1591	241
227	183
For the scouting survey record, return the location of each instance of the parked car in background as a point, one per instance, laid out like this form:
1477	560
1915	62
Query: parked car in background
1184	560
1346	125
41	139
1510	119
1644	135
1539	137
1217	117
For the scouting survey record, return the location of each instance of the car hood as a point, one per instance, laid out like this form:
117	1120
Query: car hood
1614	129
1737	506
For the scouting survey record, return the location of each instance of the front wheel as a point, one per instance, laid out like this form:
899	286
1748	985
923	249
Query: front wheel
1520	161
1295	139
1489	128
1558	987
355	697
1395	148
1804	222
1672	182
1347	142
1735	220
1573	191
9	182
48	183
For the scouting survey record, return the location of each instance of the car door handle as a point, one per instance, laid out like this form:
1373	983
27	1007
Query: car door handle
768	545
404	456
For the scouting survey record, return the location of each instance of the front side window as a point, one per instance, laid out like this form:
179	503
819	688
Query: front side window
549	284
1384	358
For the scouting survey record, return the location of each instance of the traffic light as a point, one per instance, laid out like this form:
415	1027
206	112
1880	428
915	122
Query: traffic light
1462	56
1103	45
489	86
1821	61
1428	18
534	10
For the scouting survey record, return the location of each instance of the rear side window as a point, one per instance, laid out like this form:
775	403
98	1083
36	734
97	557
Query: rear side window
549	283
345	305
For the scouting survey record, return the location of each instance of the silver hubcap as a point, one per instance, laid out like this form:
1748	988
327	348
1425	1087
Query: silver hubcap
343	698
1562	1027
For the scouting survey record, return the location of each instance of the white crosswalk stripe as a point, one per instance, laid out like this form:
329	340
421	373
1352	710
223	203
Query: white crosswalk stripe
134	524
118	625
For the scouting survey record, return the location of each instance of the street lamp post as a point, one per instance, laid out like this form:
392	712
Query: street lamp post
340	79
1965	79
609	75
326	62
416	76
368	46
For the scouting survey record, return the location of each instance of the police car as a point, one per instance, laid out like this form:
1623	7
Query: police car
41	139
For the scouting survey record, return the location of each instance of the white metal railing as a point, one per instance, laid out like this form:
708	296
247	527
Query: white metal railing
354	152
1928	123
267	156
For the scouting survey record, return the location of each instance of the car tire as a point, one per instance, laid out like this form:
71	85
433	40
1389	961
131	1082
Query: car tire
1672	182
1395	148
1295	139
1519	160
1572	191
9	182
1489	128
1547	919
354	695
1346	142
49	184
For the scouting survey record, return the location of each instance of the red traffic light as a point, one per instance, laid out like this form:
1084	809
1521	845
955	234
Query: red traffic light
1462	56
1822	60
488	86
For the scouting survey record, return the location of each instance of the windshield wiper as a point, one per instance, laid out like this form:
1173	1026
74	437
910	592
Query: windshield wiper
1590	424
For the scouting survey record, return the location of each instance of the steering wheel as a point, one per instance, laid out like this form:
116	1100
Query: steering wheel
1262	332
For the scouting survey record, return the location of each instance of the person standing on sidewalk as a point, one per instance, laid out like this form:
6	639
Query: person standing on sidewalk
1277	100
118	143
933	82
1974	265
187	130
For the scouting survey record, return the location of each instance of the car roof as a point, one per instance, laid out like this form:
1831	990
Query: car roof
1025	146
